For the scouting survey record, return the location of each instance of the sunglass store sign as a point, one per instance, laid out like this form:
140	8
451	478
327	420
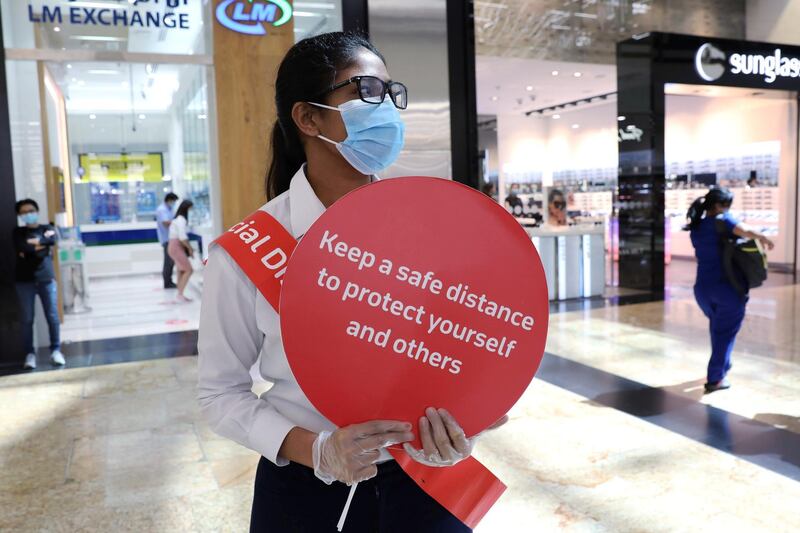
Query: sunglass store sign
250	17
711	63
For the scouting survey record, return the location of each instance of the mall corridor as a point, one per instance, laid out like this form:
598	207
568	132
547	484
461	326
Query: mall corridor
381	266
614	430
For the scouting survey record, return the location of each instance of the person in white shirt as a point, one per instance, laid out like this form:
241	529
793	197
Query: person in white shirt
179	248
338	124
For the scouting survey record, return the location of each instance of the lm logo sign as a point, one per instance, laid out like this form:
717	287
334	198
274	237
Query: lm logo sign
250	16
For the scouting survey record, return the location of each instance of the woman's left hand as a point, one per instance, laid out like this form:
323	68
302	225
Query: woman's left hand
443	440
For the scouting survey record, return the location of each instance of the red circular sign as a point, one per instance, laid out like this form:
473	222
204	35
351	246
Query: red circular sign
412	293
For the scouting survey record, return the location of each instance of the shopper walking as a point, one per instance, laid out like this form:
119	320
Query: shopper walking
179	248
709	222
35	275
338	124
163	221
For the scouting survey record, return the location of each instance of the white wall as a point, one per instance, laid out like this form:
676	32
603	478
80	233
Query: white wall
773	21
27	147
547	145
698	127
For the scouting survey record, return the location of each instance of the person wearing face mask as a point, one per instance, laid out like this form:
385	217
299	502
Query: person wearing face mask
556	208
163	220
33	243
339	123
709	221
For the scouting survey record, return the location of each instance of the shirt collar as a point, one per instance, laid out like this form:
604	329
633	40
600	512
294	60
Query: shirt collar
303	202
305	207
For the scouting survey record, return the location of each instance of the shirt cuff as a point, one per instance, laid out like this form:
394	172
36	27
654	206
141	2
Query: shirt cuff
268	433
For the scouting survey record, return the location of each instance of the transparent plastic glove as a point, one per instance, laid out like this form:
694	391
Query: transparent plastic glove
443	440
349	454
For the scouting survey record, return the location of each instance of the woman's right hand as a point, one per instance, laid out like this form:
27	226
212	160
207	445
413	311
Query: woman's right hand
349	454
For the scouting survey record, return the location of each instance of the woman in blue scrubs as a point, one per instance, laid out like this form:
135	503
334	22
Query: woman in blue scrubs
719	300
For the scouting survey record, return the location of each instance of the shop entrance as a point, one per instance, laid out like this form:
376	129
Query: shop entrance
694	112
740	138
116	138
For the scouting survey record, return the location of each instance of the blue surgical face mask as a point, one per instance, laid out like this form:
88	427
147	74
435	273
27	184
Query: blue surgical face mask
30	218
375	134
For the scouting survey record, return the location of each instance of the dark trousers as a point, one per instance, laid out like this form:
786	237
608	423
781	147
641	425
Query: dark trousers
169	265
291	499
48	294
725	309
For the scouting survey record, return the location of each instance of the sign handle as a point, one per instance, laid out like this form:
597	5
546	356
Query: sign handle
346	509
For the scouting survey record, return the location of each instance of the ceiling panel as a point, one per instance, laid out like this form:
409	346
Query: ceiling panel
587	31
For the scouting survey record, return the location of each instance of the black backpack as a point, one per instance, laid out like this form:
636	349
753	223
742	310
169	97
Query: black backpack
744	263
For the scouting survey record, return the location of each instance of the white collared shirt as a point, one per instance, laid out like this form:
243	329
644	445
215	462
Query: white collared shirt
237	325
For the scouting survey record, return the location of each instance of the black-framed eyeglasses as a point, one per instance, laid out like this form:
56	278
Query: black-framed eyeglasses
374	90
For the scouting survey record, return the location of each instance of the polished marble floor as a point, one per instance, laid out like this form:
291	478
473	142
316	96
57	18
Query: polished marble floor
133	305
614	435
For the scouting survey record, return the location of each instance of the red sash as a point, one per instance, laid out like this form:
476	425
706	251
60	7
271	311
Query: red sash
261	246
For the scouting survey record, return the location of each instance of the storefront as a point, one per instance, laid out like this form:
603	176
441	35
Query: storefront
696	112
112	104
628	147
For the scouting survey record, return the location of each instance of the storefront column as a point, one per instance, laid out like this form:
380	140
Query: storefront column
10	334
640	203
245	67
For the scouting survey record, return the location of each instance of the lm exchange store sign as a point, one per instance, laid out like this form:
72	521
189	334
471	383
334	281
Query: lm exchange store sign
151	14
242	16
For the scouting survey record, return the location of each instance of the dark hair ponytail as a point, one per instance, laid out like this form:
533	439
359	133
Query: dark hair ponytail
716	196
306	72
183	209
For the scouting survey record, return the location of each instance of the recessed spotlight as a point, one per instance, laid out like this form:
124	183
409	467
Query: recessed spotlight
529	88
621	118
556	117
92	116
554	73
577	74
202	117
74	80
494	98
56	29
575	126
142	116
69	65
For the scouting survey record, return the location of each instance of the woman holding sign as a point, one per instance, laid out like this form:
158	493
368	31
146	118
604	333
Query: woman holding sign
338	124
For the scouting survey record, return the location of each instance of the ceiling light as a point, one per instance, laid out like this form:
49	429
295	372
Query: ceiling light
81	83
621	118
494	98
102	72
556	117
98	38
554	73
56	29
312	5
142	116
202	117
74	80
124	83
92	116
575	126
69	65
529	88
577	74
